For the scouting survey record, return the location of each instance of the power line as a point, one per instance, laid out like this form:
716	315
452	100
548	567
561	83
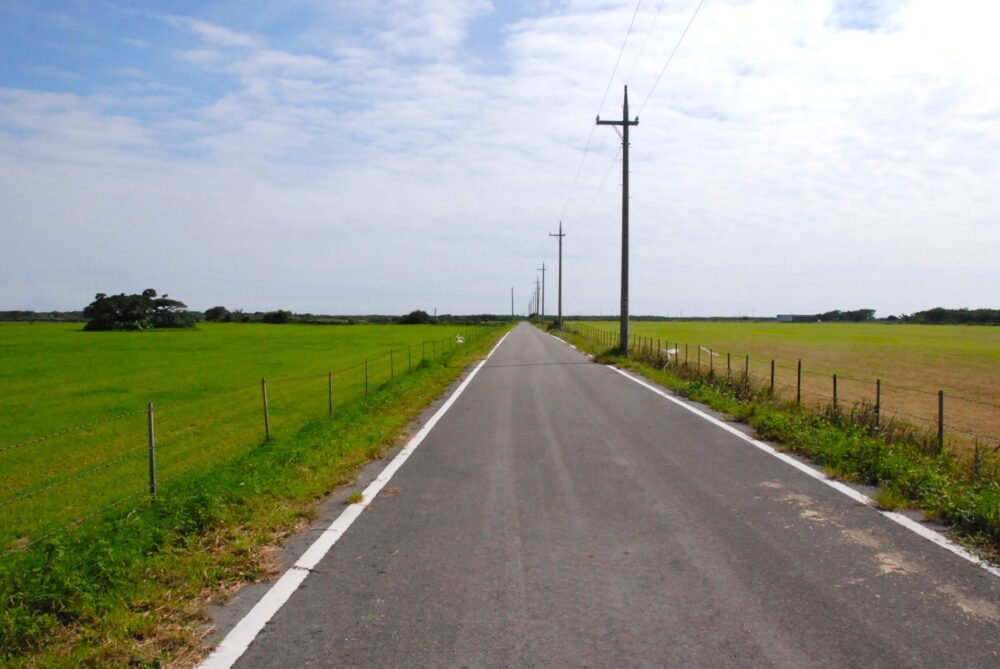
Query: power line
601	186
621	52
642	49
671	57
611	79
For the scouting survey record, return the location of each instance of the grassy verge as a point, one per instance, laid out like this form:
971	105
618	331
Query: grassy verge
129	589
960	490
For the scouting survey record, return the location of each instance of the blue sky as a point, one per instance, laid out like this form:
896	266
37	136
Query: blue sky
344	157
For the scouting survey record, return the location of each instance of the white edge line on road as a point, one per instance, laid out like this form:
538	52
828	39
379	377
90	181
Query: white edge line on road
861	498
236	642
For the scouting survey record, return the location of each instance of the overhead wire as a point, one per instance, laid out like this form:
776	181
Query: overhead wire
642	49
671	56
600	187
590	137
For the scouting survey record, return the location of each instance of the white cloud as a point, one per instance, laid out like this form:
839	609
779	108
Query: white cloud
214	34
795	157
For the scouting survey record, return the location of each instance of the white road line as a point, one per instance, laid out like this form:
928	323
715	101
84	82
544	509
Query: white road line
908	523
242	635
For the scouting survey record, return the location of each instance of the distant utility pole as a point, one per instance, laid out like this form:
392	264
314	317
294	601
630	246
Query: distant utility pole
537	284
560	236
625	123
542	270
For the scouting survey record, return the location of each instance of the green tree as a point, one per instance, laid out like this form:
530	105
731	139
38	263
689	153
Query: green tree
136	312
279	316
218	314
418	317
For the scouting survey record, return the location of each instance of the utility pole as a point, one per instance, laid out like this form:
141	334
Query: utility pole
542	270
560	236
536	293
624	123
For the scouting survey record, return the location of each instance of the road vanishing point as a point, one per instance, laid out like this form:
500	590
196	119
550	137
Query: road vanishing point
558	513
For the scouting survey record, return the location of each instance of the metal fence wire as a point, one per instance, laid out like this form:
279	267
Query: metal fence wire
944	419
54	482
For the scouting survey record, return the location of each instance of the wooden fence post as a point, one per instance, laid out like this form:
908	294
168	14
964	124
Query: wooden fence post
878	402
152	451
267	416
798	384
940	435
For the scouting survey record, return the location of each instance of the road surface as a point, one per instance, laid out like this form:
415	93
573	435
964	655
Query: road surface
559	514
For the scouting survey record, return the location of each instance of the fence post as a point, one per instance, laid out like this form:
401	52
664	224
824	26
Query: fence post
940	421
711	362
685	354
772	376
330	380
729	366
746	370
366	377
267	417
798	384
834	391
152	452
699	359
392	366
878	402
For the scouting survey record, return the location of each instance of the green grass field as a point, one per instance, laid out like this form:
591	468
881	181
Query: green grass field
913	362
90	389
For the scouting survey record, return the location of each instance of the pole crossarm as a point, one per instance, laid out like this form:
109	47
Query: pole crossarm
624	124
560	235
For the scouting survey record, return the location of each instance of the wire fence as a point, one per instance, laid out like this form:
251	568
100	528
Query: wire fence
931	418
54	482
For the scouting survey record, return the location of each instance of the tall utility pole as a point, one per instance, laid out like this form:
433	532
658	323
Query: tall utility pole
560	236
542	270
624	123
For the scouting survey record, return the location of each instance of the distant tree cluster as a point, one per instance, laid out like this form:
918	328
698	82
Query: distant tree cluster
940	315
20	315
220	314
856	316
136	312
418	317
279	316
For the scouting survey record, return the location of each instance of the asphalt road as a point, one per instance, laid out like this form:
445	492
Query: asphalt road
561	515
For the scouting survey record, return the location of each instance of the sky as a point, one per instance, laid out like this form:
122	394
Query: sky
344	157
